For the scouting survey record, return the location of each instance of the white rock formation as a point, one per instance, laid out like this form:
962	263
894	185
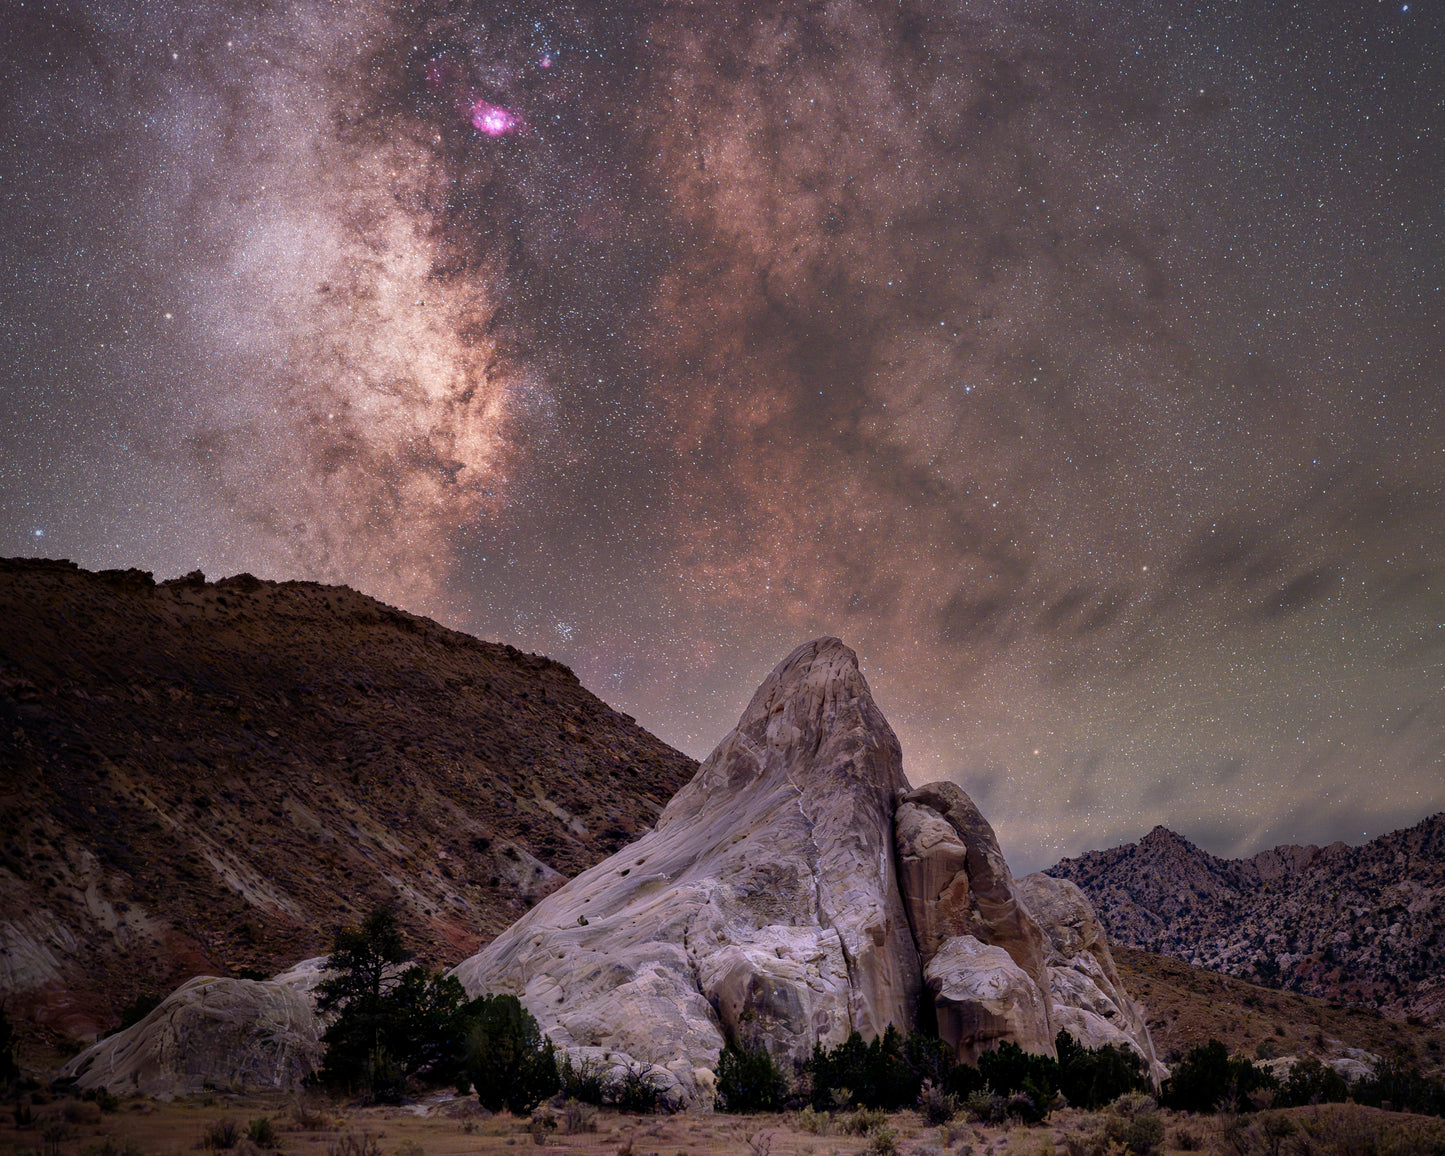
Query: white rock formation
982	996
232	1034
763	906
1088	996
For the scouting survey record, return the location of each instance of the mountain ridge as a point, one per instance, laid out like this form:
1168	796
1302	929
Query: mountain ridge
1357	925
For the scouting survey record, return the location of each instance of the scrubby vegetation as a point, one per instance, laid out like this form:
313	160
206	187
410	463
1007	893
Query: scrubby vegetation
394	1022
749	1081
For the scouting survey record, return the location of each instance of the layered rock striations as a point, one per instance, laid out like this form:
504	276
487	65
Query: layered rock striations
209	777
763	908
983	951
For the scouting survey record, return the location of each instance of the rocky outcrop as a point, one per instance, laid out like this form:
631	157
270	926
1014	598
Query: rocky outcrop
232	1034
1357	925
764	906
982	949
1088	997
981	996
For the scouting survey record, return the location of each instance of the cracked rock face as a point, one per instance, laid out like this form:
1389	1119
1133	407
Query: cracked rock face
1088	997
764	906
963	900
234	1034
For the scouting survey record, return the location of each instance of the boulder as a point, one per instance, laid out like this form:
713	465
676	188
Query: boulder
956	885
1088	997
232	1034
982	996
763	908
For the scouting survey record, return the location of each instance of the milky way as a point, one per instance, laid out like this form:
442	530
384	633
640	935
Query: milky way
1080	365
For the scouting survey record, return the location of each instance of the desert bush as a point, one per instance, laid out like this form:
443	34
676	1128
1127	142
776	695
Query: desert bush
354	1144
749	1081
936	1105
110	1146
582	1081
262	1133
308	1115
1209	1078
861	1121
1186	1139
541	1128
1029	1082
81	1112
1311	1082
508	1060
888	1072
1133	1122
1093	1077
813	1122
634	1091
578	1116
883	1142
221	1135
987	1107
1401	1086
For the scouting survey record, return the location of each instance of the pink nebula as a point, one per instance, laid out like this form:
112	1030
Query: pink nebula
493	119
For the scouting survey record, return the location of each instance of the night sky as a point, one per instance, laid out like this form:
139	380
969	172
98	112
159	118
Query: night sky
1079	364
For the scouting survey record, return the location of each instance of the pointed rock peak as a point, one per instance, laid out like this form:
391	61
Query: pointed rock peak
763	908
1162	836
812	722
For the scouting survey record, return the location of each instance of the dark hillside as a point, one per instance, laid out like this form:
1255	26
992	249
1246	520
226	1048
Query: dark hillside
209	777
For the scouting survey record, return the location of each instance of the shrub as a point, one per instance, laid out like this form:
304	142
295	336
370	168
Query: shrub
1134	1123
262	1133
354	1144
221	1135
582	1081
1402	1087
1311	1082
1093	1077
987	1107
862	1121
1031	1082
508	1060
884	1142
634	1092
578	1116
749	1081
1208	1078
937	1105
887	1073
110	1146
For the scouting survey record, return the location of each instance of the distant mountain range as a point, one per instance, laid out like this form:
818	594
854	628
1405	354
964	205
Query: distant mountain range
1362	926
201	777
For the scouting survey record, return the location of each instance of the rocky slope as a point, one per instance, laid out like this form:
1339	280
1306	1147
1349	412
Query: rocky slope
1363	926
207	778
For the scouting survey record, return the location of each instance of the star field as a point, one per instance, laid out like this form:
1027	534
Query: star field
1079	365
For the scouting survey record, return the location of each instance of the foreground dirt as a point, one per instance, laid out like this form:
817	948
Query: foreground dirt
317	1128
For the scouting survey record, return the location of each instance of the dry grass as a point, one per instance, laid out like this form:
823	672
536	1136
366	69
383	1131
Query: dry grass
142	1128
1188	1006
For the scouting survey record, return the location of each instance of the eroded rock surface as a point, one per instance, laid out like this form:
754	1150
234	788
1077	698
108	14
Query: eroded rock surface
957	886
1089	1000
233	1034
982	996
764	906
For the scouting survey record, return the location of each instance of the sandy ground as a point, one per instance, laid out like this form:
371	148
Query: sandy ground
442	1127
